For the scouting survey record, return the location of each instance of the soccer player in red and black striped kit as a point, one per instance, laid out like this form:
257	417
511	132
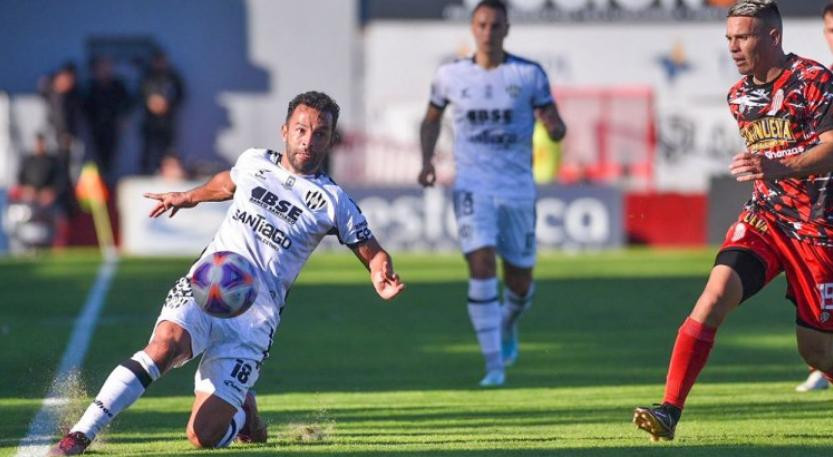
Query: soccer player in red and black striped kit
784	109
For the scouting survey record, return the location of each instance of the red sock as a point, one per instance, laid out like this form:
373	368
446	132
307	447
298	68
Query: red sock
694	342
828	376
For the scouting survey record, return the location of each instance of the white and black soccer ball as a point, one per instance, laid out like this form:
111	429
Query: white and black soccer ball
224	284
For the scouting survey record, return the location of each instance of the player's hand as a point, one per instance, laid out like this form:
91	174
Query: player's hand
169	200
749	167
386	282
427	176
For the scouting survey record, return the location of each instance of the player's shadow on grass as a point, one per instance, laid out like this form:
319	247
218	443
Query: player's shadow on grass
579	333
647	450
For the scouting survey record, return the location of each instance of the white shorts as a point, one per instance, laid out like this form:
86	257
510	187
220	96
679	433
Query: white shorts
232	349
506	224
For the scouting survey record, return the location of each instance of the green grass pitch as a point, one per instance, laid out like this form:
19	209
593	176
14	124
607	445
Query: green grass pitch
352	375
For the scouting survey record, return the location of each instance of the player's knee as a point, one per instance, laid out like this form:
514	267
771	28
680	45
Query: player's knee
712	307
749	270
203	437
519	285
482	263
817	356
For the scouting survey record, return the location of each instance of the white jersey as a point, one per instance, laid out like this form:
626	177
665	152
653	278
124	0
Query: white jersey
277	219
493	122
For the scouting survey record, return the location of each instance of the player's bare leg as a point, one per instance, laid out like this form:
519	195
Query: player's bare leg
484	311
722	294
169	346
517	299
816	348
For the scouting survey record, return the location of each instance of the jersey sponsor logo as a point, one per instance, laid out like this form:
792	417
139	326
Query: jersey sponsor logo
493	116
271	202
767	133
504	139
755	222
261	174
315	200
266	232
784	153
362	232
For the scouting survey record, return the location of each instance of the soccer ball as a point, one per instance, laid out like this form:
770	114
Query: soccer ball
224	284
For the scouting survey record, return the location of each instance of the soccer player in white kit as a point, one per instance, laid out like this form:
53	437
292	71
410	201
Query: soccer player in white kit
496	97
283	205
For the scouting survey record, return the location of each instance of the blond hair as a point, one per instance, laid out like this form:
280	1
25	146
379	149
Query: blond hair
765	10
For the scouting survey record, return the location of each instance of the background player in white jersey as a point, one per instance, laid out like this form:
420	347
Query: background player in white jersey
283	205
496	98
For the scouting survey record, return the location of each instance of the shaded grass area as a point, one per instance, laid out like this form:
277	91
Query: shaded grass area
396	378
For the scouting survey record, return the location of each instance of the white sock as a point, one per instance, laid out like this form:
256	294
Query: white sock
514	305
126	383
485	315
237	423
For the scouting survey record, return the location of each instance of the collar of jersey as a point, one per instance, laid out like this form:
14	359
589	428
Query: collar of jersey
787	64
313	176
506	57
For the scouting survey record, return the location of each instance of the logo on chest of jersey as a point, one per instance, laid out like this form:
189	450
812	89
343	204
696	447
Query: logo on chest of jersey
315	200
513	90
261	174
767	133
289	183
266	232
271	202
489	116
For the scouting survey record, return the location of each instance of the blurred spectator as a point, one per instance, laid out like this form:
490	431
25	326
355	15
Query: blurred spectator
37	215
162	93
64	105
171	168
40	175
105	103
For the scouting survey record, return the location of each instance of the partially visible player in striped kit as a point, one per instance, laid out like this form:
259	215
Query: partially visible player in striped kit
784	109
816	380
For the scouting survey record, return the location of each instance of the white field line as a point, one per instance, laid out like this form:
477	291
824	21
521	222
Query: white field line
38	439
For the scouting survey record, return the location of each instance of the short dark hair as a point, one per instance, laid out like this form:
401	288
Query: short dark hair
493	4
765	10
317	100
828	9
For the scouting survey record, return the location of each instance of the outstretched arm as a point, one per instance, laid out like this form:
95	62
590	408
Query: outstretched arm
219	188
815	161
552	121
429	132
378	262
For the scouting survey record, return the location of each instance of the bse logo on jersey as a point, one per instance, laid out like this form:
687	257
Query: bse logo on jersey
315	200
271	202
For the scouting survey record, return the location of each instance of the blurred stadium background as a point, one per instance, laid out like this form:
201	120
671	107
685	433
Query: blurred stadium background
641	84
